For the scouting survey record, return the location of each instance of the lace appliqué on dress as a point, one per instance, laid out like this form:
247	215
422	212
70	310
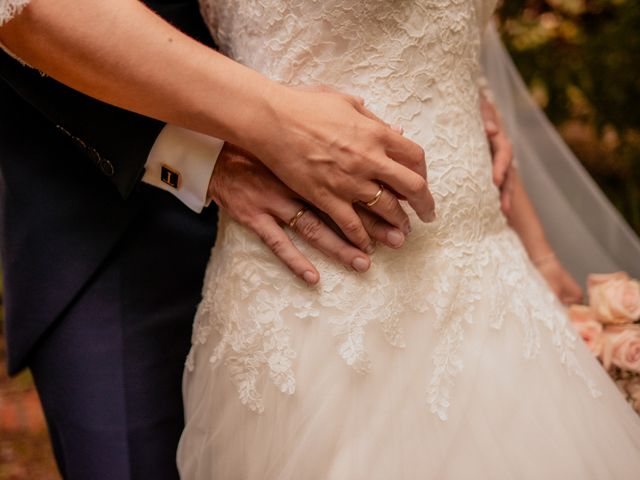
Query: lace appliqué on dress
246	310
416	62
513	294
243	313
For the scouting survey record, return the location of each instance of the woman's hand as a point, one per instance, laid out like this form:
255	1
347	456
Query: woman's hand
524	220
560	281
254	197
325	146
501	149
329	149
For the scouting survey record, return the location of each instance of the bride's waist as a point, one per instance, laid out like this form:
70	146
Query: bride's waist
241	266
457	226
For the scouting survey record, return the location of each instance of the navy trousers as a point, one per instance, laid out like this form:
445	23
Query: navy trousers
109	370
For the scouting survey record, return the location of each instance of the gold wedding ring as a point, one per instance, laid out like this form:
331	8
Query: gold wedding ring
376	199
296	217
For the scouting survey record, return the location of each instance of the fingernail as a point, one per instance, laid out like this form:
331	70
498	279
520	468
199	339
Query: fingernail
310	277
432	216
370	249
397	128
360	264
491	125
395	238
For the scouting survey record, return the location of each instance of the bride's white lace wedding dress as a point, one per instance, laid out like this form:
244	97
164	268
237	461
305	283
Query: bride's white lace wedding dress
449	359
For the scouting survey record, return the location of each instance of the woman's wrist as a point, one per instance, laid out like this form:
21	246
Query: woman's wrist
542	260
538	249
258	127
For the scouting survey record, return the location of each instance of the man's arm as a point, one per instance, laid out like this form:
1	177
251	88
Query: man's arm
120	143
115	140
325	146
181	162
250	194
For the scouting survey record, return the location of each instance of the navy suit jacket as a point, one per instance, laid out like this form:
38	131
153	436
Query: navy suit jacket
70	168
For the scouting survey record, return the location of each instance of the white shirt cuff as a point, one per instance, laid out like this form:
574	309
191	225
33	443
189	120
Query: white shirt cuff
181	162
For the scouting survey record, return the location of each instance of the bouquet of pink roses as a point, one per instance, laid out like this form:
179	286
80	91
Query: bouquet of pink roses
610	326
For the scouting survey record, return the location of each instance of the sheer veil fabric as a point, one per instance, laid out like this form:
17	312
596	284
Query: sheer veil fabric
586	231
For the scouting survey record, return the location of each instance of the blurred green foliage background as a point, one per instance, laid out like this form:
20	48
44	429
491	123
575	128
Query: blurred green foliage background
581	60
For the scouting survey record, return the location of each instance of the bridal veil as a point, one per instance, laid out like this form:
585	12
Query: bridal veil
586	231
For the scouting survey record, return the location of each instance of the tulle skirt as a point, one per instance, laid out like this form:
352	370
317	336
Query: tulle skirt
506	413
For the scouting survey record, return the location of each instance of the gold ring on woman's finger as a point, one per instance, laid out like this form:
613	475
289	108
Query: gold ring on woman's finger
296	217
376	199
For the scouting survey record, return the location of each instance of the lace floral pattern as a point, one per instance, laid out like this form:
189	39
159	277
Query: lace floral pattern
418	62
247	297
10	8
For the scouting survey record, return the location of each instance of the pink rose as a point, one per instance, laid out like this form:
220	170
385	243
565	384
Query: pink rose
614	297
586	324
621	347
633	389
600	278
